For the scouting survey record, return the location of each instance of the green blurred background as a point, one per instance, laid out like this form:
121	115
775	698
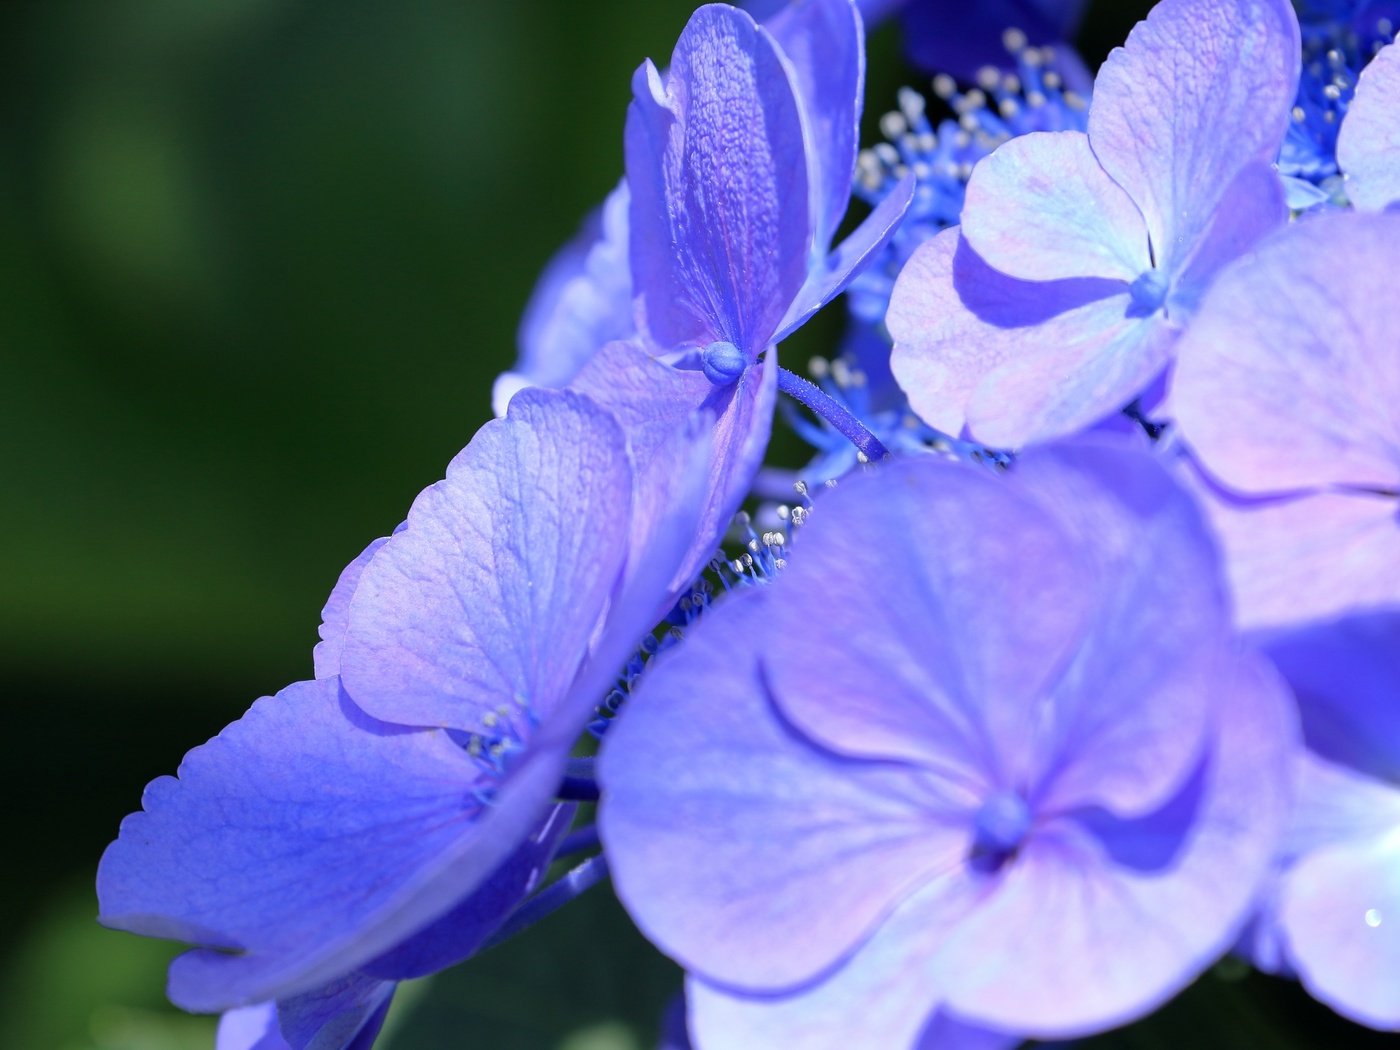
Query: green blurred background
259	262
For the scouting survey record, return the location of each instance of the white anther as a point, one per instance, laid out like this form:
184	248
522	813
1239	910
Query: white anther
1013	40
893	125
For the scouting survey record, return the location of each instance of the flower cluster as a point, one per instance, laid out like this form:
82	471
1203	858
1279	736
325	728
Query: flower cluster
1071	662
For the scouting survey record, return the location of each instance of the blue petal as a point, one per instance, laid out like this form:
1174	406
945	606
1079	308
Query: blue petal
717	165
345	1015
825	42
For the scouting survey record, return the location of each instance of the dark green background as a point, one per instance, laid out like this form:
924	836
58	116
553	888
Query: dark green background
259	261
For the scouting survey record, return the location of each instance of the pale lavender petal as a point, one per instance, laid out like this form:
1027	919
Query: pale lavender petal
582	301
1288	378
250	1028
1041	209
1065	375
824	40
730	836
1305	558
1341	913
1091	564
325	657
1141	907
831	277
955	320
312	839
345	1015
1201	88
1255	205
717	165
1368	145
492	592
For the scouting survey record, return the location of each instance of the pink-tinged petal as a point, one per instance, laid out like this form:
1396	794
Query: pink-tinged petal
1200	89
1069	373
1368	145
325	657
830	278
1288	378
1041	209
1341	914
653	402
824	40
1098	921
1161	624
491	593
955	320
1255	205
717	166
981	572
730	836
1304	558
311	840
876	999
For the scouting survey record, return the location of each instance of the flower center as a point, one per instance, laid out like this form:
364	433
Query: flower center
723	363
1000	827
1148	292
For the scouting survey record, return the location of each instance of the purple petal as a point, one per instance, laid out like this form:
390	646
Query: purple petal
345	1015
1140	907
492	592
1288	378
325	658
1255	205
1309	557
653	402
955	320
1345	675
717	165
1368	145
1041	209
728	835
824	41
846	263
313	840
582	300
1202	88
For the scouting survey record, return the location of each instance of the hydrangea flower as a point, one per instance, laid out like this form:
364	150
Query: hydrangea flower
739	166
988	757
1080	256
1285	391
381	822
1336	911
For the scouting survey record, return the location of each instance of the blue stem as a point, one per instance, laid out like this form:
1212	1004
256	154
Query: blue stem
550	899
578	841
577	789
829	409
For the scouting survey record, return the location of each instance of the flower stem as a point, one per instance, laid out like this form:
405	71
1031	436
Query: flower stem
825	406
550	899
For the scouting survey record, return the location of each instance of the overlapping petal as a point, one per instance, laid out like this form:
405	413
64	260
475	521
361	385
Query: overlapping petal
1042	209
1368	144
1201	89
717	165
1288	378
306	841
493	590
